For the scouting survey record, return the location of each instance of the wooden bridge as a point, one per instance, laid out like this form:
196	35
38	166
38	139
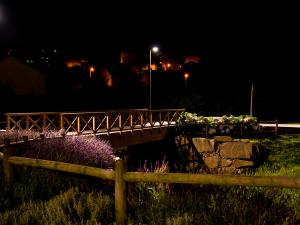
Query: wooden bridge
121	127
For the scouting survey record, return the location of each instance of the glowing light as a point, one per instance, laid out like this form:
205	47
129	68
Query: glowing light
154	49
186	76
92	69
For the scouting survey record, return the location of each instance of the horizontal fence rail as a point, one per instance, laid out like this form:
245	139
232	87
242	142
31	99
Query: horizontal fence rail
64	167
186	178
32	121
120	176
93	122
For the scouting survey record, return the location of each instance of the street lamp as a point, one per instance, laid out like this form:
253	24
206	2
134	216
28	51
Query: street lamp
92	69
154	49
186	77
251	99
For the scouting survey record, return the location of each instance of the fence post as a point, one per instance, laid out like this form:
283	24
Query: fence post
276	127
78	125
7	121
7	168
107	122
94	123
120	193
44	121
61	121
27	121
150	119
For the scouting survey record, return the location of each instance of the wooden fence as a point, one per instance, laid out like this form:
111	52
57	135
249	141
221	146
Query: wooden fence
93	122
121	176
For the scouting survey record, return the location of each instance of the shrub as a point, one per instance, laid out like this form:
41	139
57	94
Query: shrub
217	125
70	207
89	151
85	150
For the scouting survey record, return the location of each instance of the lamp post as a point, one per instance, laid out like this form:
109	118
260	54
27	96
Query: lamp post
92	69
251	100
154	49
186	77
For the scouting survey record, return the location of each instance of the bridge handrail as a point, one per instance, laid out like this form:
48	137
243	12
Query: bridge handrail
117	120
31	113
123	110
80	122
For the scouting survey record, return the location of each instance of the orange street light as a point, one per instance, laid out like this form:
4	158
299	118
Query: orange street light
186	76
92	69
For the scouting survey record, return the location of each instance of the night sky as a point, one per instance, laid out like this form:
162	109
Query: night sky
255	36
248	41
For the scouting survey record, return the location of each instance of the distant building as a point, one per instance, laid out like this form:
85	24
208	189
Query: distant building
128	58
192	59
20	79
70	63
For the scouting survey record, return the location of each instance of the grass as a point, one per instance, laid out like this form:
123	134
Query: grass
46	197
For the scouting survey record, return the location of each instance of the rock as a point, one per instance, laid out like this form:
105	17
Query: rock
242	163
181	141
226	162
229	170
202	145
236	150
211	161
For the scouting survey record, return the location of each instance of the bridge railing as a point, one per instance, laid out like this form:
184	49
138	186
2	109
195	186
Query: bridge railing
32	121
122	120
93	122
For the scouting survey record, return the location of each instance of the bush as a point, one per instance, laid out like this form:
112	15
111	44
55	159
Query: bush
216	125
85	150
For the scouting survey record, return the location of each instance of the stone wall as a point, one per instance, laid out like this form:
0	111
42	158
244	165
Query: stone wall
222	154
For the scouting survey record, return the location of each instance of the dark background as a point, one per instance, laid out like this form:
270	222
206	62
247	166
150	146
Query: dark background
241	44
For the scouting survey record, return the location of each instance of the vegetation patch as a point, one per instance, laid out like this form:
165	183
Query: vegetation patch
191	122
45	197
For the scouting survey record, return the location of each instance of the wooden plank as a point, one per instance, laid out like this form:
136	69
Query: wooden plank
120	192
185	178
65	167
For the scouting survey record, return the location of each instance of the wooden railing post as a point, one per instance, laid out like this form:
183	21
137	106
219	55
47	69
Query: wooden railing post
44	121
94	124
150	119
7	168
141	119
131	121
276	127
7	121
78	125
159	117
107	121
120	192
120	120
61	121
27	122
